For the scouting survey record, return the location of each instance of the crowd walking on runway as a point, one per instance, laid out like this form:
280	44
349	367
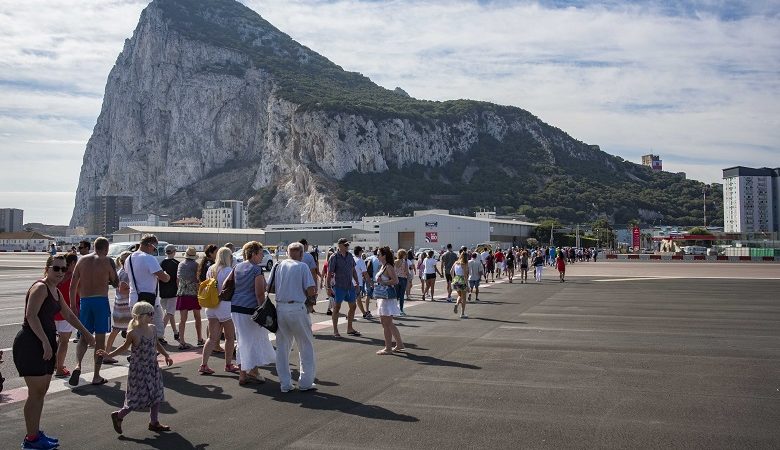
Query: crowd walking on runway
73	296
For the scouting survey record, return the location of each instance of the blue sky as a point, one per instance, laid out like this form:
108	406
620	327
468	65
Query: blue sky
697	82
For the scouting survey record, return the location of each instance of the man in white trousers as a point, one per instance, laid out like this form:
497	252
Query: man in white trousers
296	294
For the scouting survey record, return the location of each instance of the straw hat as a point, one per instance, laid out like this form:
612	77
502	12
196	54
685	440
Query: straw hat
191	253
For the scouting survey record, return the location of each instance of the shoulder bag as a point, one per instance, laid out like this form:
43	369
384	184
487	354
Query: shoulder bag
148	297
228	287
265	314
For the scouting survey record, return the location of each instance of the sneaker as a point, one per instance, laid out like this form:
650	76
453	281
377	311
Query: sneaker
403	313
48	438
41	443
116	421
286	389
464	316
313	387
449	299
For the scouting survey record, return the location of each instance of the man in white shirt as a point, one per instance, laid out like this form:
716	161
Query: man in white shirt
364	281
476	270
144	271
296	294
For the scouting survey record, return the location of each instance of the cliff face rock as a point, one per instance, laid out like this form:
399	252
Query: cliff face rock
208	101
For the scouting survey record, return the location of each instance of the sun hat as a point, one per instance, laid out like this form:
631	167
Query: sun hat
191	253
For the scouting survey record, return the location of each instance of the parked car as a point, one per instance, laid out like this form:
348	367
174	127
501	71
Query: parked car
116	249
267	263
694	250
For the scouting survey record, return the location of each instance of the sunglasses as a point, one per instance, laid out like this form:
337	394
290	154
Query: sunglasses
150	314
62	269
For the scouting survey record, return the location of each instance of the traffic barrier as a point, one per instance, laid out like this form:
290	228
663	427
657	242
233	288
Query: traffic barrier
612	256
745	258
633	256
677	257
656	257
699	257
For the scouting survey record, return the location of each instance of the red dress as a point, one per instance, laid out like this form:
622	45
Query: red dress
561	264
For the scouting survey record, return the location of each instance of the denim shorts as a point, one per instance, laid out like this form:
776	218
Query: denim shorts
473	284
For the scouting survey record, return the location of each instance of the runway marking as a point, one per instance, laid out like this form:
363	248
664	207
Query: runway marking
672	277
609	280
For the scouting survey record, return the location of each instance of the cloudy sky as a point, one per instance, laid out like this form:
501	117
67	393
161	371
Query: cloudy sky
696	82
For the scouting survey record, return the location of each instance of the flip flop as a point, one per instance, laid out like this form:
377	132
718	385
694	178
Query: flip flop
99	382
336	335
74	377
354	333
109	361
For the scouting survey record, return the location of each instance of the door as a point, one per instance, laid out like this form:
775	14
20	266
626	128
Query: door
406	239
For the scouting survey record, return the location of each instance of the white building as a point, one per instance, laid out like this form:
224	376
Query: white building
25	241
148	220
751	200
437	228
225	214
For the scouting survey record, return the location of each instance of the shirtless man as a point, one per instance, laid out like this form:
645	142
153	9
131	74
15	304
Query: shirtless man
92	276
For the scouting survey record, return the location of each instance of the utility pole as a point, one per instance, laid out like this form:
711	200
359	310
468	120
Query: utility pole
704	191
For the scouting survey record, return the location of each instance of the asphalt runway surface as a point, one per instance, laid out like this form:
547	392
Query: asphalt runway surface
622	355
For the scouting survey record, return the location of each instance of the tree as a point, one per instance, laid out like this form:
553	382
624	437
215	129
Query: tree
532	242
699	230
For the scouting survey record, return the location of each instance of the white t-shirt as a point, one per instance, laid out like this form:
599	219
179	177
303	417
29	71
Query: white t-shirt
430	265
483	256
475	268
143	266
360	268
291	280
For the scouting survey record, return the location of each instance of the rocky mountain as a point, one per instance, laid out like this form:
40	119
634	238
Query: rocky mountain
209	101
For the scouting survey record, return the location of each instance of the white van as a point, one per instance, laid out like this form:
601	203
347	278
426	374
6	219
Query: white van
116	249
694	250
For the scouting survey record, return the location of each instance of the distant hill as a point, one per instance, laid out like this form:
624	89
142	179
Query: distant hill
209	101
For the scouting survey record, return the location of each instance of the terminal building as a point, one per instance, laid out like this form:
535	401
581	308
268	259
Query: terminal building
430	228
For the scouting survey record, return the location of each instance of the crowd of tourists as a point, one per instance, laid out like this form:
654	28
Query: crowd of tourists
73	296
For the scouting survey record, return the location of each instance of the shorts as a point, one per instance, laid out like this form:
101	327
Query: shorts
169	305
95	314
64	327
473	284
448	276
430	276
343	295
221	312
459	283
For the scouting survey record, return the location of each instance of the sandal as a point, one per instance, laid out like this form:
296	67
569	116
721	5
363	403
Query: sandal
184	346
65	373
232	368
109	361
336	335
354	333
399	350
205	370
201	342
384	352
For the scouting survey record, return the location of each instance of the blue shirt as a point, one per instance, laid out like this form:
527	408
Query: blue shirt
244	294
342	268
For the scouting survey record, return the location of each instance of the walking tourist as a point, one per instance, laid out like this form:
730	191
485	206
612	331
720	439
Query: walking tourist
431	270
341	270
560	263
364	281
509	264
524	266
169	289
499	257
91	277
402	271
219	318
64	329
254	345
476	271
296	294
144	378
35	345
538	265
386	281
121	314
187	297
460	273
144	272
448	258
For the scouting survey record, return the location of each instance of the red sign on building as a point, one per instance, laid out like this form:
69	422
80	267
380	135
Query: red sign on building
432	237
637	234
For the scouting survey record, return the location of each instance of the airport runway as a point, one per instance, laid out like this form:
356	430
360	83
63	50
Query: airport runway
639	359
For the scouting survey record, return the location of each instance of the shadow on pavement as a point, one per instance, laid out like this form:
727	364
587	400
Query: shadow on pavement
111	393
432	361
497	320
170	440
184	386
378	343
329	402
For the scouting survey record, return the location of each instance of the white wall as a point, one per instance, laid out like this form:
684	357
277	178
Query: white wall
450	229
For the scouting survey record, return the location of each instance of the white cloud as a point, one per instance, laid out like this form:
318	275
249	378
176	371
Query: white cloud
697	82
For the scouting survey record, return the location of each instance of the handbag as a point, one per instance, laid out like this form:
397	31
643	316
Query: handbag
228	287
148	297
265	316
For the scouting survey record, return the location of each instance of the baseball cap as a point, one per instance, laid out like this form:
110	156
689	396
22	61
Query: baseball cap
343	241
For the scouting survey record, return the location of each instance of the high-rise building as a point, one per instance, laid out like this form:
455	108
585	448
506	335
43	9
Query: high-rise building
751	200
104	212
11	220
653	162
225	214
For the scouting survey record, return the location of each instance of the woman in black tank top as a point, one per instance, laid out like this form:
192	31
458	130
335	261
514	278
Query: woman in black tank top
36	343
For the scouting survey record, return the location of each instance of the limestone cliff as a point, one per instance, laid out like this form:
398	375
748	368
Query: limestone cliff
209	101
